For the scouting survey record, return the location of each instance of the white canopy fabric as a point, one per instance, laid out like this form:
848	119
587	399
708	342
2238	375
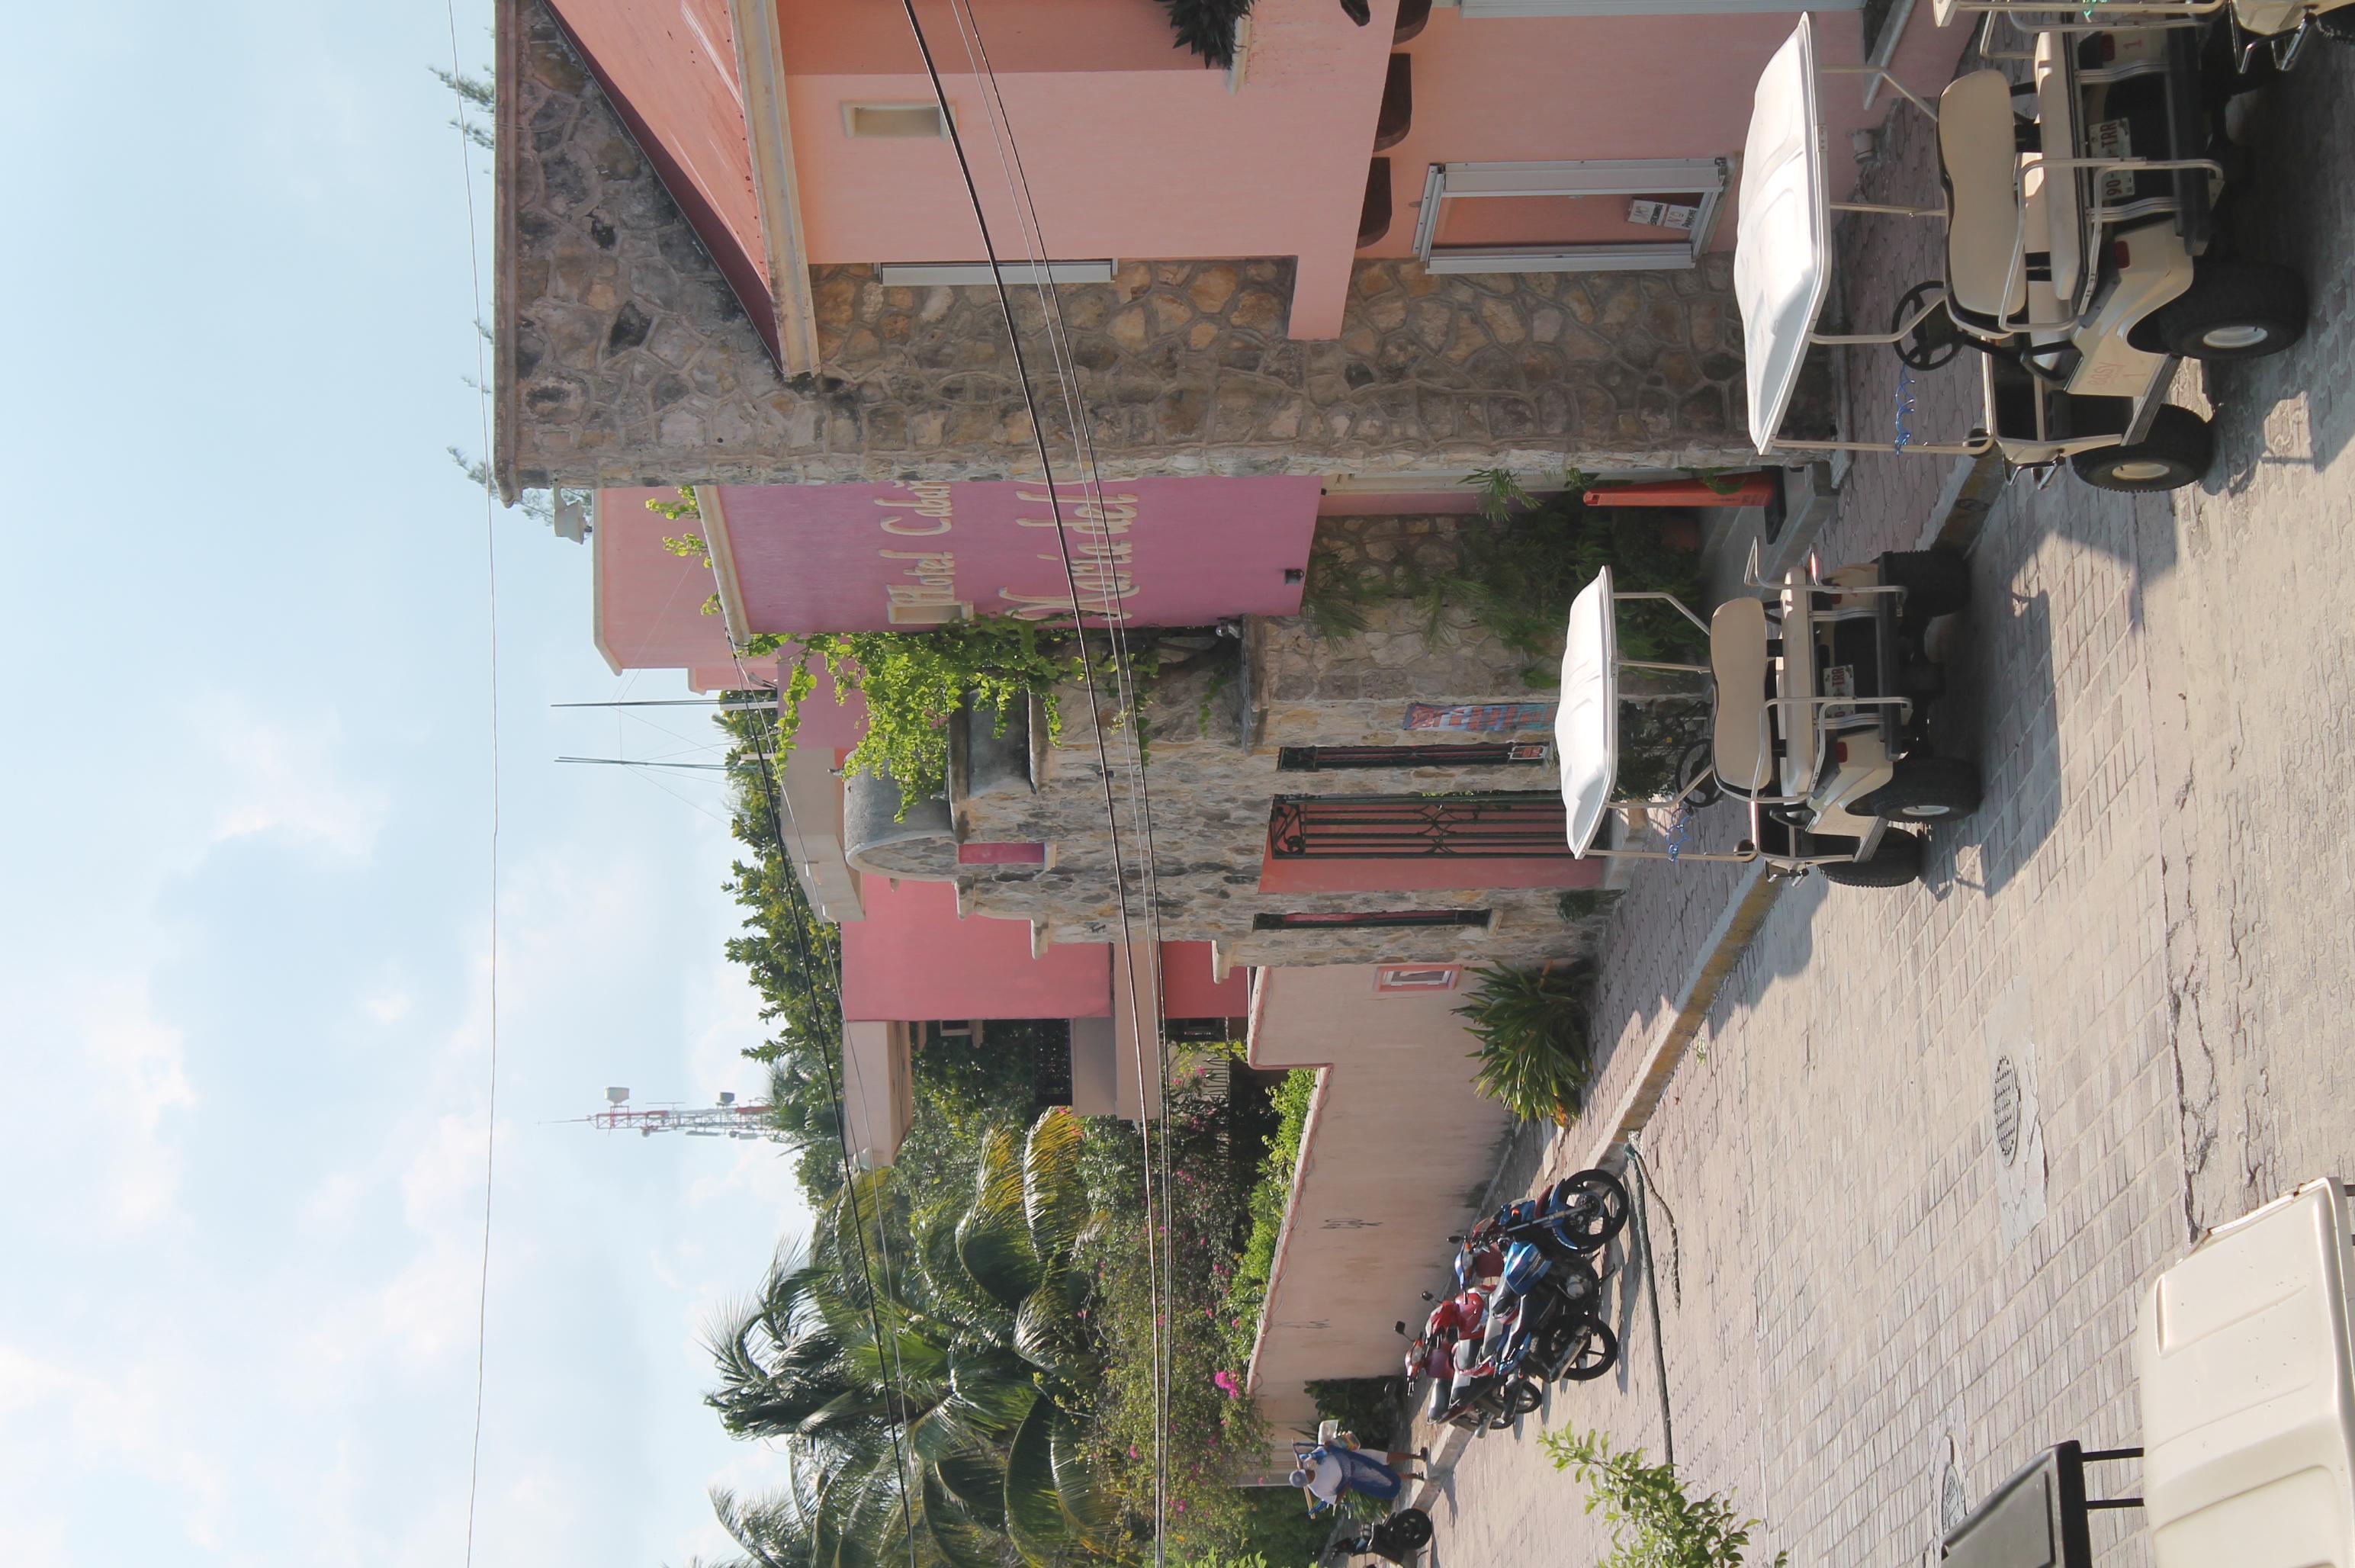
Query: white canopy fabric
1782	248
1586	724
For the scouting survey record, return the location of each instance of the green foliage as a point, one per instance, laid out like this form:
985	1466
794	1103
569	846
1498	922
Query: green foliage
1207	27
1372	1409
1271	1194
943	1337
687	505
478	93
1583	903
1532	1032
688	546
1654	1524
1516	574
915	682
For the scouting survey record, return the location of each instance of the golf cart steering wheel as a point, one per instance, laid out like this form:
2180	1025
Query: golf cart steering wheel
1934	340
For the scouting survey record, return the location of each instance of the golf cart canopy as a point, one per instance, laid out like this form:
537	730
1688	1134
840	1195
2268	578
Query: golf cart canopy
1783	247
1586	723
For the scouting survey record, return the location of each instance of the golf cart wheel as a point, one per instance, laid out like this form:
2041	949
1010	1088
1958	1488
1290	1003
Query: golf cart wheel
1590	1208
2233	310
1596	1356
1927	789
1936	581
2176	451
1411	1527
1896	862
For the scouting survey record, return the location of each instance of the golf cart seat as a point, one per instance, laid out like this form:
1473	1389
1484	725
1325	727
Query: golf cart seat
1978	161
2056	122
1739	747
2037	1518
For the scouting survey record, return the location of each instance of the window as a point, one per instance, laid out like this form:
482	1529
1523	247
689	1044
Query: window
1370	920
1503	825
893	121
968	274
1397	979
1584	217
1323	759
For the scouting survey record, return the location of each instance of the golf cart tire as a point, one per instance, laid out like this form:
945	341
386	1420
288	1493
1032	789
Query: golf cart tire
1896	862
2176	451
1936	581
1927	789
2233	310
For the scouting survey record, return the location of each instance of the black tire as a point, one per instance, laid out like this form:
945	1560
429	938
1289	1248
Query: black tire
1896	862
1596	1356
1927	789
1411	1527
2176	451
1590	1207
1522	1395
1936	581
2233	310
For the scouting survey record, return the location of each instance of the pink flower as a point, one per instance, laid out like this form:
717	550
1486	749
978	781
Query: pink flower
1132	1450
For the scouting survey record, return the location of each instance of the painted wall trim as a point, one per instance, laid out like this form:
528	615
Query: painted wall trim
768	128
723	565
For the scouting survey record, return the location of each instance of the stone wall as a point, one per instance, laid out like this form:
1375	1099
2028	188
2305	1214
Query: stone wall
1211	793
622	357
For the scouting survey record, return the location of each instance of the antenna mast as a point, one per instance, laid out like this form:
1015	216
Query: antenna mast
728	1119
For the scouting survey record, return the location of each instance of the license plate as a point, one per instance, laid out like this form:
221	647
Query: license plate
1839	681
2115	139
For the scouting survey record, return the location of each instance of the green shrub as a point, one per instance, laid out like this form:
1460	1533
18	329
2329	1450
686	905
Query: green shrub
1532	1032
1271	1194
1371	1408
1653	1523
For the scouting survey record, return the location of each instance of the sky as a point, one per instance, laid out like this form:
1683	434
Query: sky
245	926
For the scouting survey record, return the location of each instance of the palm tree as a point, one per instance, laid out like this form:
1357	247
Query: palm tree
947	1401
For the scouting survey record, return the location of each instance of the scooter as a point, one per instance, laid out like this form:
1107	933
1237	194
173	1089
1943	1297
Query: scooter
1395	1539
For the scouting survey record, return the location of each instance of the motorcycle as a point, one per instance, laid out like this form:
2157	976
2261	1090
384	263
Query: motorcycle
1395	1539
1578	1216
1548	1323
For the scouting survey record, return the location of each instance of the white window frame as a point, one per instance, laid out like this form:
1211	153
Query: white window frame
1483	10
972	274
850	109
1706	179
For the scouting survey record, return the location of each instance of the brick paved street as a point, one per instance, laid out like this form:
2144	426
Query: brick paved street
2149	919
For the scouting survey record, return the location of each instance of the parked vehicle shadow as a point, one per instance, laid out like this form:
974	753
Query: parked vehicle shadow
2290	207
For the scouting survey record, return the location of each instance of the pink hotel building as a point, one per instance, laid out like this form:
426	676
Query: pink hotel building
1465	136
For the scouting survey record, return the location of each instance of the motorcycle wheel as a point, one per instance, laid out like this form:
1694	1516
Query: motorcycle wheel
1595	1355
1411	1527
1522	1395
1590	1208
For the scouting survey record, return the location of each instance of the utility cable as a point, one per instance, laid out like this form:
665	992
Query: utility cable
1092	485
1652	1292
1062	540
491	585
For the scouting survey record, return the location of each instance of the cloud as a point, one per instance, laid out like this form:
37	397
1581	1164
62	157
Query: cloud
280	780
141	1063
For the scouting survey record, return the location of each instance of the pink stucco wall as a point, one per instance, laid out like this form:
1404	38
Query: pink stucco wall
649	602
1188	989
1164	552
1396	1142
1143	155
1552	88
911	959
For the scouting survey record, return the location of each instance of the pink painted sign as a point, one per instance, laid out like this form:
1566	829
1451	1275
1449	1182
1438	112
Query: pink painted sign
1146	552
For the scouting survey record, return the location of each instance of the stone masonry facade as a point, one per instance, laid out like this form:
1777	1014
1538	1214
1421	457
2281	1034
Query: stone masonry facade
1214	777
624	358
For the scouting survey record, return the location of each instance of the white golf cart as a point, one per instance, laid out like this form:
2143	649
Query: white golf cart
2244	1369
2077	215
1818	717
2284	25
